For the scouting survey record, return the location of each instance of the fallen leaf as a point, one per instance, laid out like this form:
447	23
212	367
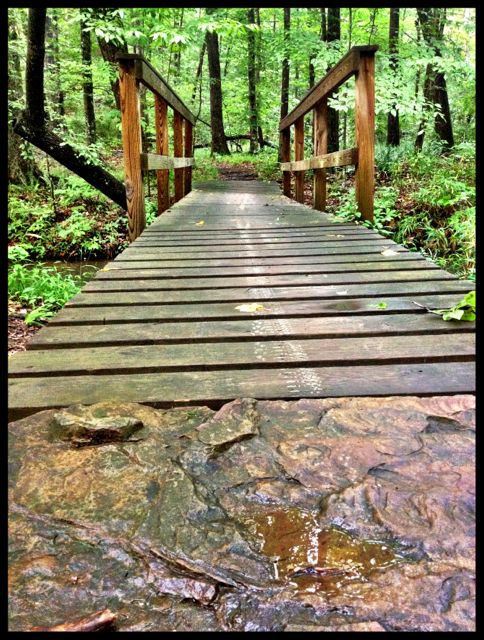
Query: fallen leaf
104	269
250	308
200	222
389	252
379	305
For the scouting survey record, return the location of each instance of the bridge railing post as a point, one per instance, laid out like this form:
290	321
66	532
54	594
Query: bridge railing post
162	175
299	155
286	157
131	134
178	149
188	154
365	134
320	148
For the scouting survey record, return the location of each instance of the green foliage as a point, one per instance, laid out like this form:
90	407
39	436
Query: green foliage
41	287
463	310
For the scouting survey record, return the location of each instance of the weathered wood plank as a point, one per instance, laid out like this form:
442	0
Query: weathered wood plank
161	129
28	395
267	354
267	294
145	270
195	312
335	77
287	280
337	159
131	134
150	161
378	324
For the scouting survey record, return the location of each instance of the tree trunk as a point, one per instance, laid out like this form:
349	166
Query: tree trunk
52	62
31	123
432	23
219	142
199	70
253	116
333	33
285	74
21	169
393	124
87	85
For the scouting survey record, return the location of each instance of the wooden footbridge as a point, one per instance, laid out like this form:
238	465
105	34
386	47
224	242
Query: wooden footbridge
237	290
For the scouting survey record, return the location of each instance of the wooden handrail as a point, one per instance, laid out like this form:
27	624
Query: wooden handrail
135	69
360	62
344	69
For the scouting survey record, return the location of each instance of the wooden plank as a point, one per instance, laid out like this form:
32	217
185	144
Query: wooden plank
188	152
29	395
152	79
335	77
161	129
119	266
144	270
299	155
196	312
287	280
267	294
56	337
151	246
131	134
178	148
256	355
152	161
286	157
320	148
336	159
365	135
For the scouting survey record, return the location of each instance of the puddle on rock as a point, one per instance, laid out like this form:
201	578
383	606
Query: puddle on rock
315	559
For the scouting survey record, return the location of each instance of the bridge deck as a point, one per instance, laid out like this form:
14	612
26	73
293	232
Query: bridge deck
162	324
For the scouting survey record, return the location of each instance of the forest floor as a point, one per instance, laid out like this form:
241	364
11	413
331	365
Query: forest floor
19	334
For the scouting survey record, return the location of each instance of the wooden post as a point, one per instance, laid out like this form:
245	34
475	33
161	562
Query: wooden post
299	155
178	153
162	176
188	154
365	134
286	157
131	132
320	148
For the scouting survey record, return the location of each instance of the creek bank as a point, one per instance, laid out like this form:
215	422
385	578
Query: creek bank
336	514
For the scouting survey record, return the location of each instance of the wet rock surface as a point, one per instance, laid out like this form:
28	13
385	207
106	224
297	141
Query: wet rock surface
317	515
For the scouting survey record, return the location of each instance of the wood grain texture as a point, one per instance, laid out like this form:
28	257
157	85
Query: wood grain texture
343	70
131	134
336	159
188	152
365	135
299	155
162	148
267	298
286	157
178	149
152	161
320	148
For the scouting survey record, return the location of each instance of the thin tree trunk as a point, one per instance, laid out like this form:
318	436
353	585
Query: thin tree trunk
253	119
285	73
219	142
393	124
199	70
31	123
333	33
110	49
87	86
52	62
